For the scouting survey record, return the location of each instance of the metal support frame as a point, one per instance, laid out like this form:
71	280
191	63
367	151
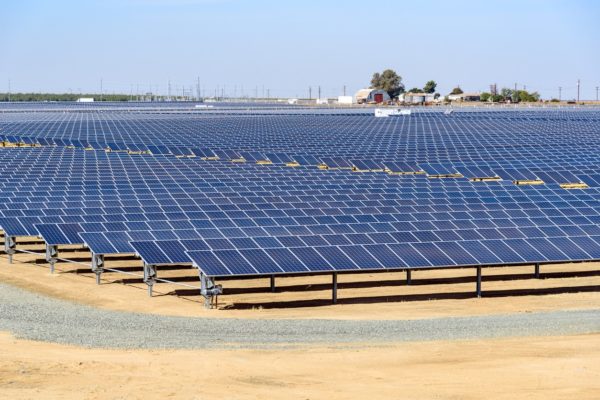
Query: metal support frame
408	277
536	273
272	283
98	266
209	290
478	285
10	247
51	256
149	277
334	288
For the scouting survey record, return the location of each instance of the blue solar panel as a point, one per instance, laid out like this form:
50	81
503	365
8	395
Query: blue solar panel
208	263
151	253
98	243
52	234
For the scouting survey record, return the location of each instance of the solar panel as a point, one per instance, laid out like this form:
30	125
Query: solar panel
151	253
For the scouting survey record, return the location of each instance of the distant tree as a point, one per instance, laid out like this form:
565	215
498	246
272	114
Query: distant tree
415	90
60	97
436	96
457	90
485	96
506	93
496	98
429	87
389	81
523	95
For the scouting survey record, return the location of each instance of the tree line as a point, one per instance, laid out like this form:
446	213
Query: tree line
391	82
60	97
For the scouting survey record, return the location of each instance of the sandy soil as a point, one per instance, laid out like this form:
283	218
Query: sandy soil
532	368
366	296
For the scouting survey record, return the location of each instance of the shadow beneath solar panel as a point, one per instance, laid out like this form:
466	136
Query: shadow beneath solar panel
414	282
412	297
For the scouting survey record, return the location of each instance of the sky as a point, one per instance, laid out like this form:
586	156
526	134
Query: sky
284	47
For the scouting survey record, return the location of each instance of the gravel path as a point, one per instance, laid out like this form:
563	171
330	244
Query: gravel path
31	316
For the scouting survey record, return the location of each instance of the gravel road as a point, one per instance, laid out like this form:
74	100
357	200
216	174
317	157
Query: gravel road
36	317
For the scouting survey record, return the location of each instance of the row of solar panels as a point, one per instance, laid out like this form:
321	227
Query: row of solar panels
311	259
369	229
151	216
520	175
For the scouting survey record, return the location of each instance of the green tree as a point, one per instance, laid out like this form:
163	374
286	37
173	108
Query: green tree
415	90
498	98
430	87
457	90
506	93
485	96
389	81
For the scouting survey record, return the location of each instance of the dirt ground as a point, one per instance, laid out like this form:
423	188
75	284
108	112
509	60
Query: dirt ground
531	368
512	368
435	293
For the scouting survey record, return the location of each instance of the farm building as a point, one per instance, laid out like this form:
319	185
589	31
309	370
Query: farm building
372	96
419	98
465	97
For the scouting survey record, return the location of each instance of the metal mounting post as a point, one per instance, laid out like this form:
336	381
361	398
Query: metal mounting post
10	245
98	266
272	282
408	277
51	256
334	288
209	290
149	277
536	272
478	285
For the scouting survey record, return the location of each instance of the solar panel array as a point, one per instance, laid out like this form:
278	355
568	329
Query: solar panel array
272	192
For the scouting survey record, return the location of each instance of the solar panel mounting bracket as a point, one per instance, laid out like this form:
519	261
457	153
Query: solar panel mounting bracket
149	277
209	290
98	266
10	247
51	256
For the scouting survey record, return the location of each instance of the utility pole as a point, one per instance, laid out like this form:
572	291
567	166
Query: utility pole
319	92
9	90
344	90
559	93
268	93
100	89
578	87
198	88
310	92
596	93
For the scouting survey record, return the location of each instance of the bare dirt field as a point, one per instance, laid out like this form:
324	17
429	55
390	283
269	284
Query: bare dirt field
527	368
561	367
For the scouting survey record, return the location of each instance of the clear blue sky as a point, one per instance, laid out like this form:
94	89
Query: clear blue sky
62	45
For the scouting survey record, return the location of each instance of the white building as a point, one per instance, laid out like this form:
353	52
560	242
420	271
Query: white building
345	100
85	100
419	98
